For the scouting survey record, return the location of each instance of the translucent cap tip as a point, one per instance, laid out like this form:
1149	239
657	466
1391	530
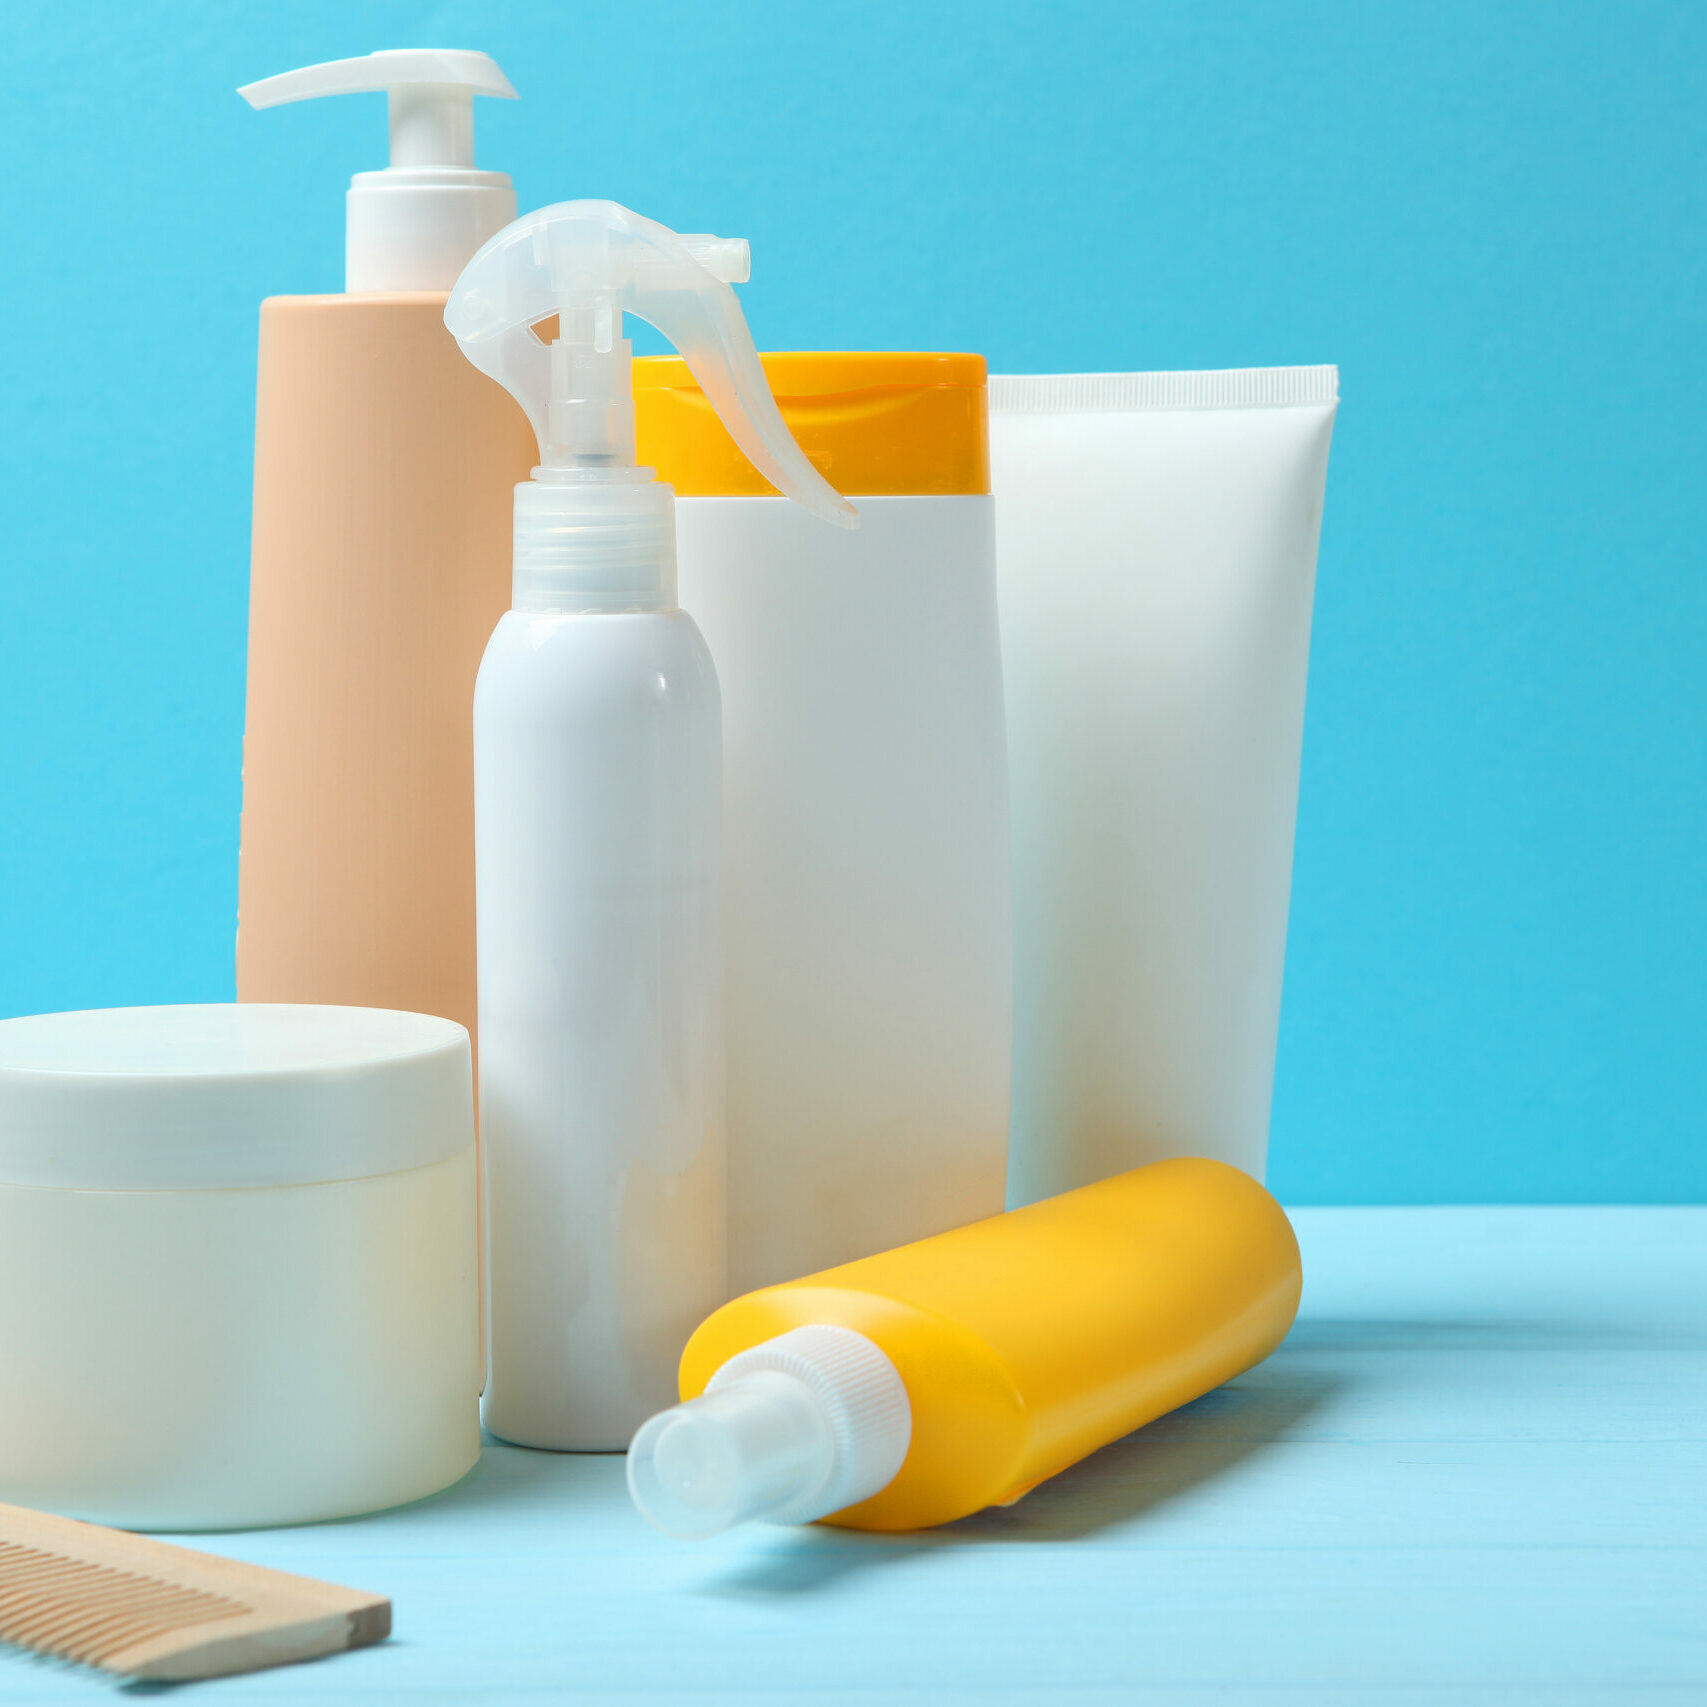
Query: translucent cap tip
586	264
804	1425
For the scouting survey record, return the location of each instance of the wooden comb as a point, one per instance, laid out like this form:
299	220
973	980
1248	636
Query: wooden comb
145	1609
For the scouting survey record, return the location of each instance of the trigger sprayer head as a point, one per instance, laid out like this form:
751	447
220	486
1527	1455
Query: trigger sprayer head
540	310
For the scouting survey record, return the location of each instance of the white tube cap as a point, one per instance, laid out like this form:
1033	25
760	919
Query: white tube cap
805	1425
414	225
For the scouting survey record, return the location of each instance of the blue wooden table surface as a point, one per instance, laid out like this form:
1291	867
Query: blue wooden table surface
1476	1473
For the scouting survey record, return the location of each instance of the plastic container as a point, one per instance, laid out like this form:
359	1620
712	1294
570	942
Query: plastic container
598	821
865	850
1156	541
921	1385
237	1263
381	564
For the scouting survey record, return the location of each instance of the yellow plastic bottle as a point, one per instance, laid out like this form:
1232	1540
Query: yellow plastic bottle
919	1386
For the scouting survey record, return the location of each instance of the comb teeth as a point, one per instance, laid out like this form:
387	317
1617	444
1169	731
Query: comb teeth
147	1609
87	1613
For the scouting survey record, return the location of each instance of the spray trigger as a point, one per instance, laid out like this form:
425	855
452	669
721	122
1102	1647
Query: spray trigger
587	263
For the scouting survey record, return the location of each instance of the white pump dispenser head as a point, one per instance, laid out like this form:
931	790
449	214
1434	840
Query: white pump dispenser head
593	531
414	225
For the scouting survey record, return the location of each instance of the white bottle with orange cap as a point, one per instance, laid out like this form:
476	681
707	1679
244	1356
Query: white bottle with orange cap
866	850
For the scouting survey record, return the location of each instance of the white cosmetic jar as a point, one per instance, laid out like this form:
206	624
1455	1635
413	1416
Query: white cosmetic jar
238	1279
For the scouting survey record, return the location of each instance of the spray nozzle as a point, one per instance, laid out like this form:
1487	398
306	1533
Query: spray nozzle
788	1431
413	225
540	309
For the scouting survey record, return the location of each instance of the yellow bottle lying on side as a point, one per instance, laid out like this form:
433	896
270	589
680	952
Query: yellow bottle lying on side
921	1385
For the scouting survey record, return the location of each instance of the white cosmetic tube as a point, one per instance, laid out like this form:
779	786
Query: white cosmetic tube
1156	544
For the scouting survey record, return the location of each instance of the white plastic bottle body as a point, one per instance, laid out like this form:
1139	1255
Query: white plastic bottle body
1158	543
867	915
597	835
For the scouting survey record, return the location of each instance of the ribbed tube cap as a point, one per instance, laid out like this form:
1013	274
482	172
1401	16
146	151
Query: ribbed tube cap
789	1431
864	1400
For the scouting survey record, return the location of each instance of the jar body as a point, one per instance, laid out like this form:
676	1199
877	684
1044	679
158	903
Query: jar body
866	901
229	1359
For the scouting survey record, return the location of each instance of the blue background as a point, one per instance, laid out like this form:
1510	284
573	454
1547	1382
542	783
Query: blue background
1491	216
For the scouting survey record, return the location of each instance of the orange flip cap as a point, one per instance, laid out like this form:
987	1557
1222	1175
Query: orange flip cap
874	423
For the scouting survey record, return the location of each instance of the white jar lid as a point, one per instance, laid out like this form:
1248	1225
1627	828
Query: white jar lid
229	1095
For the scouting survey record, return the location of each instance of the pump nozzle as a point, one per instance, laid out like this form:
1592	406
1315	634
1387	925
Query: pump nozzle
412	226
585	264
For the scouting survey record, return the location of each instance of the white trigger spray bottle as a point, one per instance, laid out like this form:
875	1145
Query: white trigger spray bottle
597	806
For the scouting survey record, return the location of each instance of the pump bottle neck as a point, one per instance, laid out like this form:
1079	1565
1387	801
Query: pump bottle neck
413	225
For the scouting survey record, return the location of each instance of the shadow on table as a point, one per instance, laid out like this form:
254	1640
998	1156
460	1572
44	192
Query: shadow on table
1165	1461
1494	1333
516	1479
1121	1484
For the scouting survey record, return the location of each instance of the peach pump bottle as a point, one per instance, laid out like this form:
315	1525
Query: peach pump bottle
919	1386
384	465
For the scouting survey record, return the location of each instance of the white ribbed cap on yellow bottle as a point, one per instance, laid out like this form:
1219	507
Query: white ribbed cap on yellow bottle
789	1431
